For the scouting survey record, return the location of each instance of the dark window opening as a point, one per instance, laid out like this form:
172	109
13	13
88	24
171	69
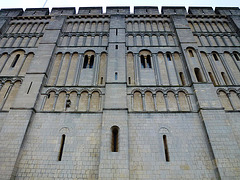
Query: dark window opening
61	147
88	63
236	56
91	62
212	78
116	75
191	53
142	62
225	78
15	61
129	80
116	47
116	32
215	57
85	62
198	74
169	57
166	148
29	87
115	143
101	80
182	78
68	103
149	65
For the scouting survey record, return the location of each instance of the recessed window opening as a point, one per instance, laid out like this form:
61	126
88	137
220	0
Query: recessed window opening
118	10
116	75
149	65
225	78
85	62
191	53
174	11
198	74
68	103
106	48
29	87
61	147
101	80
127	48
116	32
115	141
169	57
203	12
89	11
116	47
166	148
88	62
15	61
91	61
212	78
143	62
182	78
215	57
146	10
129	80
236	56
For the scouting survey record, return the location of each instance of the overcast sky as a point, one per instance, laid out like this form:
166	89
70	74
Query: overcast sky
90	3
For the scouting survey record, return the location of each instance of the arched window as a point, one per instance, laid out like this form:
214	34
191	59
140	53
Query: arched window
88	60
61	147
236	55
215	57
191	53
15	60
166	148
115	139
225	78
198	74
169	57
145	58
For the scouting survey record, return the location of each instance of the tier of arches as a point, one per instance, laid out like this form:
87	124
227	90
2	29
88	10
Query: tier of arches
210	26
147	26
216	40
84	40
161	68
75	68
20	41
151	40
83	101
158	100
230	99
16	63
8	92
27	27
87	26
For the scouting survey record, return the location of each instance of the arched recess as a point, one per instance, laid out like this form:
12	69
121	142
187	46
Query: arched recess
209	68
182	98
26	64
137	101
55	68
160	101
72	69
3	59
48	106
102	69
172	103
63	69
235	100
225	100
198	75
130	69
130	40
4	92
72	101
89	58
95	101
149	101
60	105
83	101
145	59
179	67
129	27
232	65
11	96
163	69
14	63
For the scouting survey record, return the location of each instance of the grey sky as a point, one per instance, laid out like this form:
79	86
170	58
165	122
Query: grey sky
78	3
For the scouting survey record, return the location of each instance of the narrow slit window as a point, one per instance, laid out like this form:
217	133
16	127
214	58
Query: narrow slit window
215	57
169	57
101	80
116	32
115	141
198	74
116	75
116	47
166	148
91	61
85	62
61	147
15	61
191	53
29	88
129	80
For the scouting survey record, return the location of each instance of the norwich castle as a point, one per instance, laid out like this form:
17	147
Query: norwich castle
144	95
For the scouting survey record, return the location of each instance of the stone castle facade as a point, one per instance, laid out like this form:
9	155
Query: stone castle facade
120	95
